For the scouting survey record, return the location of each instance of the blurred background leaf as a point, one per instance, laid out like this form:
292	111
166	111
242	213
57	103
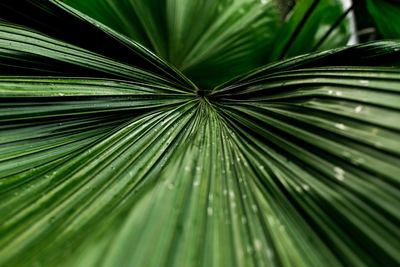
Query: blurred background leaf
386	14
234	35
310	26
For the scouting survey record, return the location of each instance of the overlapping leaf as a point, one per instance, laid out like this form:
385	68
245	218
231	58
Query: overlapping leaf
63	23
312	25
231	33
200	38
386	16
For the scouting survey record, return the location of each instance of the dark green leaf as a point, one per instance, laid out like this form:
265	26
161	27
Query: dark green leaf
200	38
108	157
62	22
293	167
309	23
386	14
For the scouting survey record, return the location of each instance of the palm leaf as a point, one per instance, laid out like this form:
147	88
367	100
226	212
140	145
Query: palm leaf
65	24
110	161
386	16
230	32
311	25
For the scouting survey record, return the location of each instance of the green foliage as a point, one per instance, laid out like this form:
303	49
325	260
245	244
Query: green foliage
309	28
386	14
200	38
110	156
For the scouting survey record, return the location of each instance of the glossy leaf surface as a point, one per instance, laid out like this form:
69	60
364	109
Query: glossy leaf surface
108	160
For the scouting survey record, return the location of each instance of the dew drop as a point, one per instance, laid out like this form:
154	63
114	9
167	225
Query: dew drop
209	211
357	161
257	244
270	254
254	208
340	126
374	131
338	93
170	186
249	249
339	173
306	187
358	109
270	220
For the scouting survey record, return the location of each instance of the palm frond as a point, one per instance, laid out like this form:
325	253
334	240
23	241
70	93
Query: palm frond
311	25
111	157
59	21
230	32
386	16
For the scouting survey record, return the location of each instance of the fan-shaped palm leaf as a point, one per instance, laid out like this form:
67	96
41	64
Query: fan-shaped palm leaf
110	157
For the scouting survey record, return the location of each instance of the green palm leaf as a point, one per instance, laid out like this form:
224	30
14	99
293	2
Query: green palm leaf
110	157
230	32
386	16
311	25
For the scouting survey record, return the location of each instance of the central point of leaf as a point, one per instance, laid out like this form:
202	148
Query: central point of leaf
202	93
